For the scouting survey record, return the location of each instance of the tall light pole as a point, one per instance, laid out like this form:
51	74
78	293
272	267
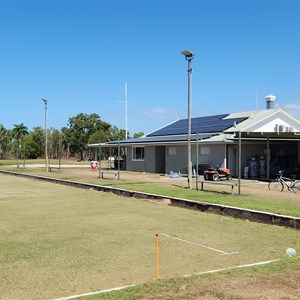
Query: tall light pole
46	134
189	56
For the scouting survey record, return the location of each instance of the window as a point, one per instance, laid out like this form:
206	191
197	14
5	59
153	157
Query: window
172	151
205	150
138	153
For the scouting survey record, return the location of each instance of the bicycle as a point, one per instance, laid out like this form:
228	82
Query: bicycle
280	182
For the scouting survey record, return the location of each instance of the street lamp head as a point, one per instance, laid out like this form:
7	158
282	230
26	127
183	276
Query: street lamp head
45	100
188	54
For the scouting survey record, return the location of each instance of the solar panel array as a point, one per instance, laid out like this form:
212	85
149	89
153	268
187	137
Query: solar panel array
208	124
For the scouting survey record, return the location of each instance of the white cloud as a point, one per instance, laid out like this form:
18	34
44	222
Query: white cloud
158	113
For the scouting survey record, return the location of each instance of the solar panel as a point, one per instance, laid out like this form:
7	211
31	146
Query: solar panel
208	124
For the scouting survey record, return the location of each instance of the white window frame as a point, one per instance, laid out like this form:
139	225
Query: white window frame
142	153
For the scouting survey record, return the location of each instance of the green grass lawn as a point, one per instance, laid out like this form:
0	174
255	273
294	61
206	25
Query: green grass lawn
59	241
284	203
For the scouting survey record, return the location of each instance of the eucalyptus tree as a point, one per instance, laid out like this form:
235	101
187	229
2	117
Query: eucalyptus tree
81	129
138	134
55	139
65	142
99	136
117	134
34	143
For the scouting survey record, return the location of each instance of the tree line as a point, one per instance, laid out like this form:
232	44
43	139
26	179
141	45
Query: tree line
69	142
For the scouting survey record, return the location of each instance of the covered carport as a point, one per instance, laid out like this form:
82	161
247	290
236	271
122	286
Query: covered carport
282	150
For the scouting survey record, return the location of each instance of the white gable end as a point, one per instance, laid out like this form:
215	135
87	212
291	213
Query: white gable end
275	120
276	125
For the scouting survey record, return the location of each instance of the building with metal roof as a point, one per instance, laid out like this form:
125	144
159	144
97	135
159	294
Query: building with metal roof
264	141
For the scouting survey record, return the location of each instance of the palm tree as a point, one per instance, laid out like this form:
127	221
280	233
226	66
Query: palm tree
18	132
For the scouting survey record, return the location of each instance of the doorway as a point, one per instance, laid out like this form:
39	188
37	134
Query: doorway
232	165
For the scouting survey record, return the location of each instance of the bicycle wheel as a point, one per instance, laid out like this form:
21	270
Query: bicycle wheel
276	186
296	186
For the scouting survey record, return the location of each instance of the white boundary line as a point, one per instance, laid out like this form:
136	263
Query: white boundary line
201	273
196	244
95	293
235	267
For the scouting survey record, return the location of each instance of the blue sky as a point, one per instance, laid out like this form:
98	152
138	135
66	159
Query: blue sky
79	54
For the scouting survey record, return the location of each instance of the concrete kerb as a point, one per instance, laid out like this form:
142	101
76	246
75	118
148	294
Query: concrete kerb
236	212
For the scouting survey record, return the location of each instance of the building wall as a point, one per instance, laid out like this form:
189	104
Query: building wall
135	166
147	165
253	150
249	150
176	156
212	154
176	159
164	159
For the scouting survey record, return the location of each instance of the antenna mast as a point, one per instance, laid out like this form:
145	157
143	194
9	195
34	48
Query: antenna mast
256	98
126	112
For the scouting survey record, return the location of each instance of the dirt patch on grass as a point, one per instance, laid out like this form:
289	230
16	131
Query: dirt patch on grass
247	284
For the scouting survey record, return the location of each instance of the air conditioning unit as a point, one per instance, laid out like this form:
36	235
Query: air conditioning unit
283	128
